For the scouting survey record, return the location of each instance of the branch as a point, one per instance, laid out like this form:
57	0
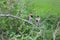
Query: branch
54	33
2	37
39	34
41	30
47	18
9	15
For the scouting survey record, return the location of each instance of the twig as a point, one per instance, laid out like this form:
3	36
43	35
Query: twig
41	30
38	34
54	33
2	36
47	18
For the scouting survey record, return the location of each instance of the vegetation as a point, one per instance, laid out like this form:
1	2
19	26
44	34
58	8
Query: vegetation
14	23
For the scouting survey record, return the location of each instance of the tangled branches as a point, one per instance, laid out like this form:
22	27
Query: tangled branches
40	32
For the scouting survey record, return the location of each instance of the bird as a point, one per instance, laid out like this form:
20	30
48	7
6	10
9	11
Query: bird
30	17
37	20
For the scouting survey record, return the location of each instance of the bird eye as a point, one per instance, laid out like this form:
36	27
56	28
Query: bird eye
31	16
36	20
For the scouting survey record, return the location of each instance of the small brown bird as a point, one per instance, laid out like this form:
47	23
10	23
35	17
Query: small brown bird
37	21
30	17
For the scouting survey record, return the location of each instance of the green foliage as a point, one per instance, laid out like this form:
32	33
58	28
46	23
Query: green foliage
15	29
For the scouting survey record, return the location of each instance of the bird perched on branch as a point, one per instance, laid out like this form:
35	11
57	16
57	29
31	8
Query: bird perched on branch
30	16
37	21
